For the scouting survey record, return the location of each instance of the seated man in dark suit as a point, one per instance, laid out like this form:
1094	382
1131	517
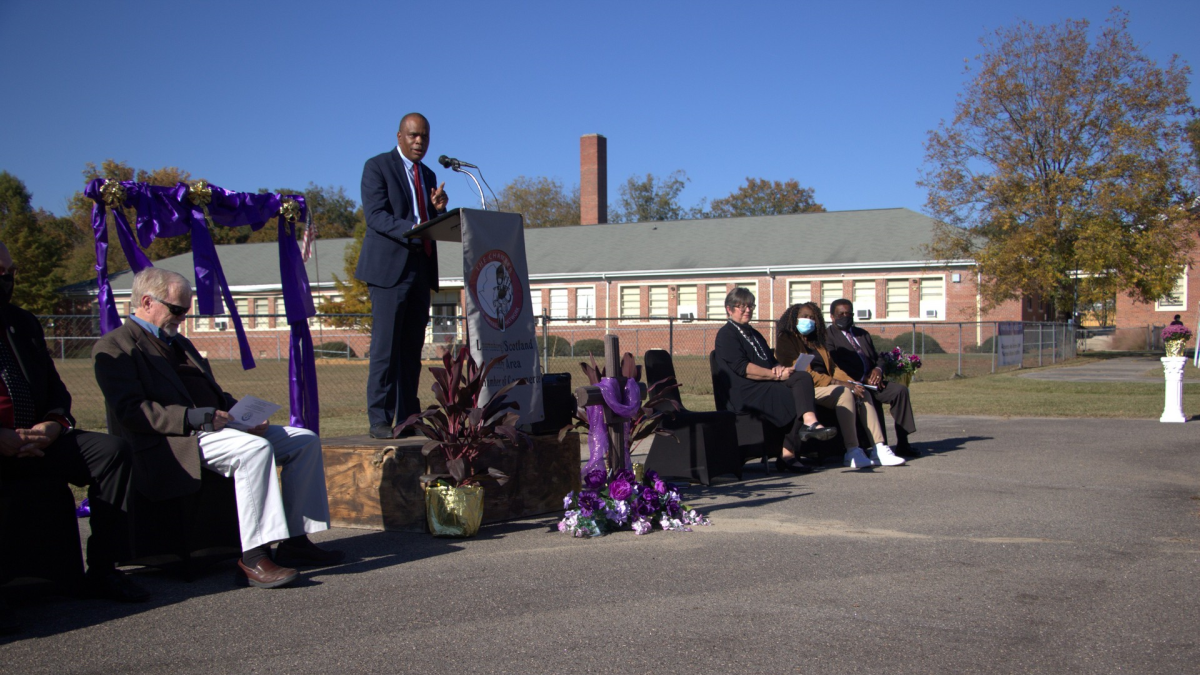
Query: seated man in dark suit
40	450
163	399
854	352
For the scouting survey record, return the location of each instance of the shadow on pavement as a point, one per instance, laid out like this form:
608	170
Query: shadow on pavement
43	609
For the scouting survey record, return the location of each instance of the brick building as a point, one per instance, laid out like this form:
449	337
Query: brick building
662	279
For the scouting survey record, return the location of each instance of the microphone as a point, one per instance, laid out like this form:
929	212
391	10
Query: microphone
453	164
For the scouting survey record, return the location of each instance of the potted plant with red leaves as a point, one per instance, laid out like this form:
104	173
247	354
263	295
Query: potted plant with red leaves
463	429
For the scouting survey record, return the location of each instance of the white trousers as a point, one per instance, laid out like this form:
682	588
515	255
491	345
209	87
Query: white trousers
265	513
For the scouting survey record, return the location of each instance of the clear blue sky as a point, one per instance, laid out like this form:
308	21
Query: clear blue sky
258	94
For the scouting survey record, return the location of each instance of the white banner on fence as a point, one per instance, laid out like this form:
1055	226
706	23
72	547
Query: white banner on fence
1010	343
500	320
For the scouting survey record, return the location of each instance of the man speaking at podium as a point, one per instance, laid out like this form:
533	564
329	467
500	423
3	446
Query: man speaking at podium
398	193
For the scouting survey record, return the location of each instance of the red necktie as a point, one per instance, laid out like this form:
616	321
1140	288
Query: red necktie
422	213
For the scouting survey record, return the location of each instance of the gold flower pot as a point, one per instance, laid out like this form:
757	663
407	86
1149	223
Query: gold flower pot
454	511
1175	347
903	378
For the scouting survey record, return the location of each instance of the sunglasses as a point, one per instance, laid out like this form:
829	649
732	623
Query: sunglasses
176	310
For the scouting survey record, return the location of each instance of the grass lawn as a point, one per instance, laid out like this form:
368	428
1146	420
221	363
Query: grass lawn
1006	395
935	391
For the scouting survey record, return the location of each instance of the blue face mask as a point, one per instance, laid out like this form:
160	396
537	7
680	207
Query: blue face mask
806	326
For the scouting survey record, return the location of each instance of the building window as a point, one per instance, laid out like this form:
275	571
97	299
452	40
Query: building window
830	290
933	298
685	302
1177	298
896	298
585	303
443	320
659	308
864	296
260	318
799	292
535	302
558	303
243	309
715	300
319	319
631	302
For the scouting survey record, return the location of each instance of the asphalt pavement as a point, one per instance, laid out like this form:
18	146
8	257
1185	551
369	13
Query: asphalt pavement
1012	545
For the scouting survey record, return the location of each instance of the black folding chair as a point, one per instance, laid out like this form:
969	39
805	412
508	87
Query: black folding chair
705	444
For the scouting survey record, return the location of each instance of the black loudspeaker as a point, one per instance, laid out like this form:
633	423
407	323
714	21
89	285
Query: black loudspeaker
558	403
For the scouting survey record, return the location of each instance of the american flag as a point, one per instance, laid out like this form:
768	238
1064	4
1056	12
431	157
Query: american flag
310	236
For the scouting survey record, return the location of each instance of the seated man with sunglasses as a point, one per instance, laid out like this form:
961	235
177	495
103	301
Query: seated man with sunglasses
163	399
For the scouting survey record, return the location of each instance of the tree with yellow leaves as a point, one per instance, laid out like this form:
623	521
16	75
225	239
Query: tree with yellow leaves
1066	171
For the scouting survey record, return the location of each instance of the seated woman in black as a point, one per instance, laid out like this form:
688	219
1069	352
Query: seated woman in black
763	386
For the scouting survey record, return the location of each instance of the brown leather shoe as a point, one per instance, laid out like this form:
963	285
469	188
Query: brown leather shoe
266	574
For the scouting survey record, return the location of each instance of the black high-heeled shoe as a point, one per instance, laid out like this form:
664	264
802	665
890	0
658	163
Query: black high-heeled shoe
792	465
813	432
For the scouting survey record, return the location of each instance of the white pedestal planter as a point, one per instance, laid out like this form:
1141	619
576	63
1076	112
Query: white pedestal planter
1173	372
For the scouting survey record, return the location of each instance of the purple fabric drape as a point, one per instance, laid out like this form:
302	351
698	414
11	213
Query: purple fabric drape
168	212
109	318
298	304
597	439
625	403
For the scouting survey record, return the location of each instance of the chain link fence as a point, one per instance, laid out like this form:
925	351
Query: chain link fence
947	350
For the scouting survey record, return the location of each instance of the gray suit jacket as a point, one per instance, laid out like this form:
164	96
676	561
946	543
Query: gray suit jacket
147	405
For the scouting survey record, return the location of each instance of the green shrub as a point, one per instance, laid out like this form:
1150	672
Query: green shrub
593	346
333	350
883	343
559	346
906	342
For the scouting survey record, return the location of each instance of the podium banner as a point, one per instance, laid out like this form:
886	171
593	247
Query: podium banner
500	319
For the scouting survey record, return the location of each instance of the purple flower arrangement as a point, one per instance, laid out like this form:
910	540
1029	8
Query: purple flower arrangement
896	362
607	505
1176	332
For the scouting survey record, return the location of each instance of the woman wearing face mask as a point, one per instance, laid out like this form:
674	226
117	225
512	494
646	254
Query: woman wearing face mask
801	330
761	384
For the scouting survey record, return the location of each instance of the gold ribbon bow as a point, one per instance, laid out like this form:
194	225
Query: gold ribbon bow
113	193
200	194
290	209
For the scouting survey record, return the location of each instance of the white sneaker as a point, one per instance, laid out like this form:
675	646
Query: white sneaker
856	459
882	455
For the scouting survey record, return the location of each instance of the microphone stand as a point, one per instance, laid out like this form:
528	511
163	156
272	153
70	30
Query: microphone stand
456	167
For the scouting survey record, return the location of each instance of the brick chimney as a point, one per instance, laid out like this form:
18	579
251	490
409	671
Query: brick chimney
593	179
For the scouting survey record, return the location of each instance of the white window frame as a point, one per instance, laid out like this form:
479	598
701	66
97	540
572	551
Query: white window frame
720	301
826	284
665	291
624	318
923	305
887	304
1181	284
591	315
694	304
867	283
258	321
793	284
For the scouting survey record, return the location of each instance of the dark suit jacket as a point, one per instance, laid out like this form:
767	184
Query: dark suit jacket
147	405
384	260
846	357
24	332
